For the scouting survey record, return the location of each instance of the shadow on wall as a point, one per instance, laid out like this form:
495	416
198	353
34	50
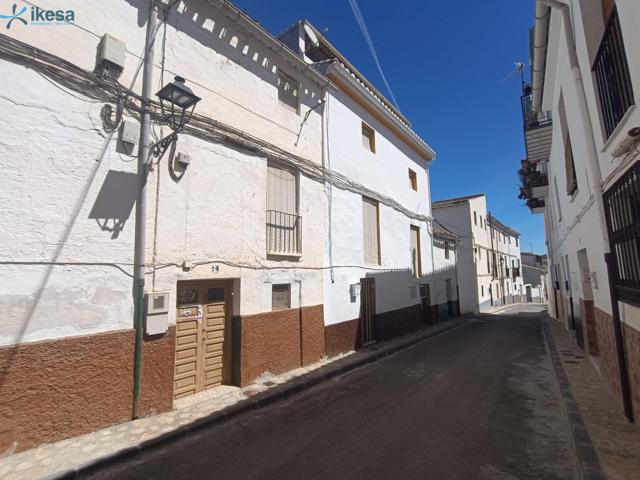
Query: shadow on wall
115	200
208	25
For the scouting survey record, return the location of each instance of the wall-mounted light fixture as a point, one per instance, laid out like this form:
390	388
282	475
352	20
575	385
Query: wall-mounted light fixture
175	101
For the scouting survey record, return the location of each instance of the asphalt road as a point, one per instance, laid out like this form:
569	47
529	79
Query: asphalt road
478	402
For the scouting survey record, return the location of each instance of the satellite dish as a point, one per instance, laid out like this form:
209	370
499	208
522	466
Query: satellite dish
311	34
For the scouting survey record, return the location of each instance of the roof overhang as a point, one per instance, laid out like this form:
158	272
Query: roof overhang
355	89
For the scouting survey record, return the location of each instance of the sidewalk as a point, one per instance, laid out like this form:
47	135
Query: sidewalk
616	440
502	308
67	458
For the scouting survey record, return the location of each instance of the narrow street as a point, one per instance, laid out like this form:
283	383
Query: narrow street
479	401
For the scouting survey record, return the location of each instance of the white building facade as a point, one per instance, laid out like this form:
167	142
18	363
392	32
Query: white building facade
234	248
290	219
581	171
488	255
379	250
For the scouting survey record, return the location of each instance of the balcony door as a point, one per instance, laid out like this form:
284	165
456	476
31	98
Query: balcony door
283	222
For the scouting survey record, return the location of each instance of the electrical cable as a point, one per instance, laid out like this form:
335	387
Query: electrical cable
205	128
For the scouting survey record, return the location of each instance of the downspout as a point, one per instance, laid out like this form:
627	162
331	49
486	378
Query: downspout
586	118
141	206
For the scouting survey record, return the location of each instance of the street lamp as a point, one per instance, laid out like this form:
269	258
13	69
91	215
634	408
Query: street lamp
180	99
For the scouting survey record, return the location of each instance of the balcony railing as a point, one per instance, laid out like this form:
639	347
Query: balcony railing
284	233
538	129
612	75
530	118
534	180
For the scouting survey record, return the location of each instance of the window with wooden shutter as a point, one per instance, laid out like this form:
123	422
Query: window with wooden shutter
368	138
288	92
371	231
416	261
607	8
413	180
284	228
570	167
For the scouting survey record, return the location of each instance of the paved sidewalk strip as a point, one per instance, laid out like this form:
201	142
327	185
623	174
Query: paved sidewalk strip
586	456
86	453
616	441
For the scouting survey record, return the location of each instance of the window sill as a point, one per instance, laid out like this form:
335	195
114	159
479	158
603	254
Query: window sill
284	256
574	195
619	130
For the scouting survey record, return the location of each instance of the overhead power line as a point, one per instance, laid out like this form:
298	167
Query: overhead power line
365	32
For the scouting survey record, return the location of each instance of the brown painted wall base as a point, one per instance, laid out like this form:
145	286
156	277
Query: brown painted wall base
609	361
398	322
272	341
340	337
590	330
343	337
60	388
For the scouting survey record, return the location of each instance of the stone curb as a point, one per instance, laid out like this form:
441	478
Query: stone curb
589	467
261	400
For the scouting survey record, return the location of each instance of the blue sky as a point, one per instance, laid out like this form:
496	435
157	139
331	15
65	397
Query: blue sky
446	63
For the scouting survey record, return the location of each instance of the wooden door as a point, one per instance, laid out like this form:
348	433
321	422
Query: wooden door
202	317
188	315
425	294
213	336
367	310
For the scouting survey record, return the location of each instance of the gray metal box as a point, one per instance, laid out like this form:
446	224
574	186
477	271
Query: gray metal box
112	50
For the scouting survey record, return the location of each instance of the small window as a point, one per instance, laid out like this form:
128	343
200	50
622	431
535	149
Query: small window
370	231
446	250
413	180
368	138
482	290
288	92
570	167
281	296
475	218
517	242
480	253
416	261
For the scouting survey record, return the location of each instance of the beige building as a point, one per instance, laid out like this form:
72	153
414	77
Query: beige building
489	253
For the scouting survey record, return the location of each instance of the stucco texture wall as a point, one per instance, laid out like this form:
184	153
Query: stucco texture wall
279	341
56	389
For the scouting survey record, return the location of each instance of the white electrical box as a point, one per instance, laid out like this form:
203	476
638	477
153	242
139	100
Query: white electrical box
129	132
156	324
157	313
183	158
112	50
157	302
354	291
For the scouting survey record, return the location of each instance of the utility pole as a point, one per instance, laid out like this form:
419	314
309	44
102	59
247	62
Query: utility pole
141	204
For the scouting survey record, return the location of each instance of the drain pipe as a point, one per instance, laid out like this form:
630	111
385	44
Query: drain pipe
141	206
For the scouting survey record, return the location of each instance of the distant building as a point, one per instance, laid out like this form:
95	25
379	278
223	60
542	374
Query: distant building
534	272
488	255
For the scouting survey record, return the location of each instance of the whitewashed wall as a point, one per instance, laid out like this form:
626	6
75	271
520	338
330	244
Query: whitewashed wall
57	160
385	172
573	221
445	269
458	219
